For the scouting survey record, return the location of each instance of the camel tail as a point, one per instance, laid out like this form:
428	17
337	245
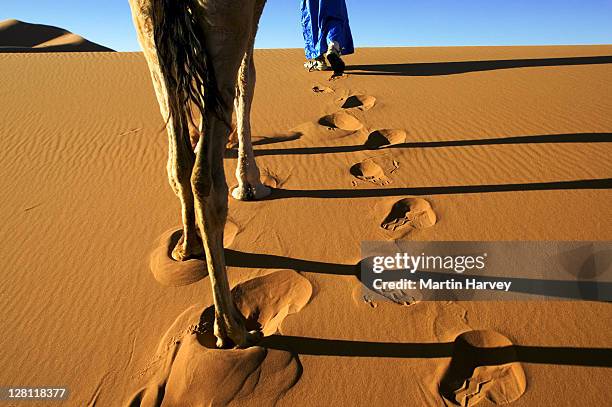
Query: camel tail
183	60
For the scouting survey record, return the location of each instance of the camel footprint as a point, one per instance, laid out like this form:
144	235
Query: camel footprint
271	179
385	137
361	102
345	119
413	213
170	272
341	120
374	170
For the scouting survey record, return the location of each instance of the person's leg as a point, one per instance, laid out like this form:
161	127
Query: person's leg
338	38
309	12
337	26
333	57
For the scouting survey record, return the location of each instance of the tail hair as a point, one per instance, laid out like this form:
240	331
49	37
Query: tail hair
185	65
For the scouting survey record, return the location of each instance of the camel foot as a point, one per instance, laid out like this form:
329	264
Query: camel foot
183	252
231	331
237	337
251	192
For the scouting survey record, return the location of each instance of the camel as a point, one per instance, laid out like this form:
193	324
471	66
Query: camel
200	57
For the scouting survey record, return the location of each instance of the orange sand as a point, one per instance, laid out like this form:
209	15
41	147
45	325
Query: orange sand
505	143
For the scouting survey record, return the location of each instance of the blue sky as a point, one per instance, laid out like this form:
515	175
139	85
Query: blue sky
374	23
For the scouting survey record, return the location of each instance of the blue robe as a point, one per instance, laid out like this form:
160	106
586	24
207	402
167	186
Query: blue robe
324	21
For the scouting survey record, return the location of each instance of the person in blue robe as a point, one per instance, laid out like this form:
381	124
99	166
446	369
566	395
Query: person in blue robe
327	34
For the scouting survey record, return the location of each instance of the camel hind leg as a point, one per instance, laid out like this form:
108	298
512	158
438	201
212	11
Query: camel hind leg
211	194
247	173
180	153
227	32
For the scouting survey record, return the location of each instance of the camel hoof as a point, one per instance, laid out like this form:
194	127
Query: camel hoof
251	193
251	338
221	343
180	254
254	337
246	340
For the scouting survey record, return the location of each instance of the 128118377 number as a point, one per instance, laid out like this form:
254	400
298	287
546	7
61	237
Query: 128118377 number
33	393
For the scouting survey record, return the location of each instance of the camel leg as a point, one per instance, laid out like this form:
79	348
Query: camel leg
225	49
210	190
180	154
249	185
179	169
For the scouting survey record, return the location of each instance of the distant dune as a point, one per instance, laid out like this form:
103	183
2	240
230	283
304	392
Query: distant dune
18	36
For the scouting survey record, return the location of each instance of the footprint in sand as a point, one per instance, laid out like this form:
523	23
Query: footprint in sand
271	179
361	102
413	213
341	120
188	370
370	171
318	88
170	272
365	292
363	295
385	137
483	366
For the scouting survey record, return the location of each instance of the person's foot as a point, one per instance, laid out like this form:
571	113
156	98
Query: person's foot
333	57
317	64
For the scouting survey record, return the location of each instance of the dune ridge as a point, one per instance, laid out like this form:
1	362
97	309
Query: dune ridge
19	36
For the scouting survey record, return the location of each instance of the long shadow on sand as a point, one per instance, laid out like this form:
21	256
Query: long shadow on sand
535	139
568	289
451	68
603	183
597	357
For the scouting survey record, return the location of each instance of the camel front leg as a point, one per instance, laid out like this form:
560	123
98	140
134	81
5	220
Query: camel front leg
211	207
247	173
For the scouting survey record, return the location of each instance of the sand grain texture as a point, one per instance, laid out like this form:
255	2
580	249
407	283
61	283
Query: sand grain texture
504	143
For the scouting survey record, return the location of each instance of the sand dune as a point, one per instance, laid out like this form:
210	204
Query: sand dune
479	143
18	36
